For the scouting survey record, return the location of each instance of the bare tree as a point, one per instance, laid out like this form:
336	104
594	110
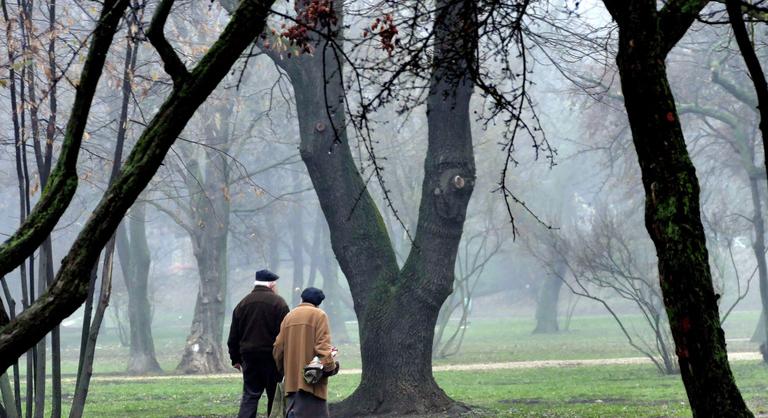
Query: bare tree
607	256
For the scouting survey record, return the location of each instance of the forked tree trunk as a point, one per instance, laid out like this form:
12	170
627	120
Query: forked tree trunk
672	212
396	310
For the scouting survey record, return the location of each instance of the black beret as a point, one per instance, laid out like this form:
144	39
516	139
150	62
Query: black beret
313	295
266	276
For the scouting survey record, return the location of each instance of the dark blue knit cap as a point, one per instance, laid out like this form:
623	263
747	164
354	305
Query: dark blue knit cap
266	276
313	295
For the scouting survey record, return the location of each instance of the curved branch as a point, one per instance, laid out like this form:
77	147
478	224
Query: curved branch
171	61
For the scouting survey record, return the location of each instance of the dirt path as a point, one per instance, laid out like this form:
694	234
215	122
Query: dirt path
742	356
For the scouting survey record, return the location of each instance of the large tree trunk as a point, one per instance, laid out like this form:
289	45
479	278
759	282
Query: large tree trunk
672	212
547	303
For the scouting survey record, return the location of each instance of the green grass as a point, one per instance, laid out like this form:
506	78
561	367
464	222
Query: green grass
602	391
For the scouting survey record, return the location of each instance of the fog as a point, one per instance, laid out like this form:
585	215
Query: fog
566	248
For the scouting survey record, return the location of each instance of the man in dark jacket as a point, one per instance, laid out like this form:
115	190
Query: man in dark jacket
255	325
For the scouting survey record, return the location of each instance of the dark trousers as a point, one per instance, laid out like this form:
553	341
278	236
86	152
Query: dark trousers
306	405
259	374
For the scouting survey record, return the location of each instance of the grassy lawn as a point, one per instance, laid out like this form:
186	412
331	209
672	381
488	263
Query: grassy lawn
600	391
603	391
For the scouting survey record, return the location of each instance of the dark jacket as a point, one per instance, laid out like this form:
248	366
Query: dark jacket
255	323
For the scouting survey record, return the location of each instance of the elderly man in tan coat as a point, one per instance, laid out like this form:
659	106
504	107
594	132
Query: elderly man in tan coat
304	334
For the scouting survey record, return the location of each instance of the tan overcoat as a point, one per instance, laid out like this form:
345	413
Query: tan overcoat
304	333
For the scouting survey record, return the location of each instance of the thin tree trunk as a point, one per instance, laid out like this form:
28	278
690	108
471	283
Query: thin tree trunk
45	267
316	252
29	283
86	370
326	264
133	252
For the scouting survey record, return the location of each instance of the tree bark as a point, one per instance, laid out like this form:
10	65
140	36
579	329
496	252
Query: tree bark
70	287
672	212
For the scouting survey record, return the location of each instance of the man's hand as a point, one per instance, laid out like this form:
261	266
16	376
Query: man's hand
237	366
